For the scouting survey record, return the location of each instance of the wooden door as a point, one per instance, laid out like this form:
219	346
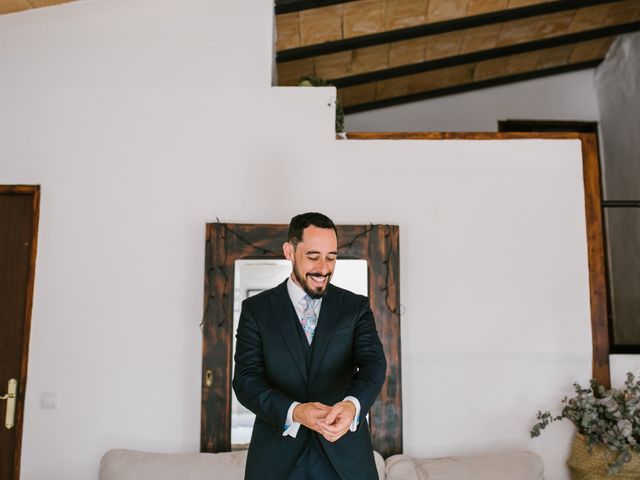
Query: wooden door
18	233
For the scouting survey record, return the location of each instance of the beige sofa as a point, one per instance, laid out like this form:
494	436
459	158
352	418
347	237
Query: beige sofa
133	465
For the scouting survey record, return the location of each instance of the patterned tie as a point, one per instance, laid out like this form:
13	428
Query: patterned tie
309	318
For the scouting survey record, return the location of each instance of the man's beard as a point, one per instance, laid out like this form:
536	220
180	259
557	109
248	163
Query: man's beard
313	293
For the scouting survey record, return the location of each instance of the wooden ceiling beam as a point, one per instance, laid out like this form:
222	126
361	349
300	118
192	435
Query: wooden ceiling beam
484	55
435	28
467	87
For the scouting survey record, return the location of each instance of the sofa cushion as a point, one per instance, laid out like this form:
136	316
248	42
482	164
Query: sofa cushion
133	465
505	466
380	465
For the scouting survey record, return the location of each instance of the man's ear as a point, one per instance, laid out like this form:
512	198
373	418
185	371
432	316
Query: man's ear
288	250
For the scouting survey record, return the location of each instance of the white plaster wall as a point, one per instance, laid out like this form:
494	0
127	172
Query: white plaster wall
570	96
143	120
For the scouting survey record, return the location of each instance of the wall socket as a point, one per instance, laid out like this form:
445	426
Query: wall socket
49	400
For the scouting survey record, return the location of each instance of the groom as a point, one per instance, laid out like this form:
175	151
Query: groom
309	364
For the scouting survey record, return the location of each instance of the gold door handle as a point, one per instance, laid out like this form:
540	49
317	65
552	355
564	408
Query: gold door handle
10	397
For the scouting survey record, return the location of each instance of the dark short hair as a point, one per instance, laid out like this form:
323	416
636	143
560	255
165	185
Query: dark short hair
304	220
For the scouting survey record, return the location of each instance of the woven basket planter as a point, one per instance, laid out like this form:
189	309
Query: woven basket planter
585	465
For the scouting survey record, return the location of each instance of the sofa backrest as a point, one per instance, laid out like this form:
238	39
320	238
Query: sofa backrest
501	466
123	464
132	465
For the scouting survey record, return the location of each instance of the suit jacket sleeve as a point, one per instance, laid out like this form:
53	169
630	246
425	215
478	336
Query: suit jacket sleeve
249	381
369	358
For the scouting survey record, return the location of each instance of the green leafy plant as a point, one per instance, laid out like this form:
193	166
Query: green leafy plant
313	81
610	418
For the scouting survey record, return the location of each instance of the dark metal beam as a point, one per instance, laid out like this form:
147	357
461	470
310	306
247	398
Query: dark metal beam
483	55
624	349
434	28
299	5
514	125
493	82
621	203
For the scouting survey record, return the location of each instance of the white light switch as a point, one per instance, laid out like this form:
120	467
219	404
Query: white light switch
49	400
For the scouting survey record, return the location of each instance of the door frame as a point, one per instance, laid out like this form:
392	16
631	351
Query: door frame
22	374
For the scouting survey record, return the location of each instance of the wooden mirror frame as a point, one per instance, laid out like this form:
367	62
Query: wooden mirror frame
226	243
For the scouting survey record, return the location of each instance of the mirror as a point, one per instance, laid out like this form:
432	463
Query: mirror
376	246
252	277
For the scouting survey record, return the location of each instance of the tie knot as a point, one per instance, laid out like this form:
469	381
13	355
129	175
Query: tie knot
309	301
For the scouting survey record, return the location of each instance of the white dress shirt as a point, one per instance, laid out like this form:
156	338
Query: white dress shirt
296	294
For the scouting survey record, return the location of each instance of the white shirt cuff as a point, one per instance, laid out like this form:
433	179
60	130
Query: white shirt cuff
290	427
356	418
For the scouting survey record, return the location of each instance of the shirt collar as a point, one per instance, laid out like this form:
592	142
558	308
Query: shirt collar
296	293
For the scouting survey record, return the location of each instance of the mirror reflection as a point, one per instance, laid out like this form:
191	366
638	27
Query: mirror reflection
252	277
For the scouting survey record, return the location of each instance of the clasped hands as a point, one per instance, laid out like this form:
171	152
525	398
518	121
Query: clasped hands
330	422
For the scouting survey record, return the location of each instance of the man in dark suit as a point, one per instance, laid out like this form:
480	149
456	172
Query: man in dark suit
309	364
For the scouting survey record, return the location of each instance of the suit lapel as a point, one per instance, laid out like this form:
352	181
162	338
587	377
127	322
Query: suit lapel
326	321
283	313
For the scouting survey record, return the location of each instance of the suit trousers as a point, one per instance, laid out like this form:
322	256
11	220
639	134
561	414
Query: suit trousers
313	464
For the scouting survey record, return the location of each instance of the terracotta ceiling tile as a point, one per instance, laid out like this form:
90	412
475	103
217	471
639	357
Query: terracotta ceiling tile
287	31
444	45
553	25
334	65
449	77
393	87
425	81
436	79
458	75
589	17
446	9
523	62
554	57
358	94
591	50
10	6
623	12
370	59
603	47
363	18
289	73
47	3
407	52
517	31
320	25
481	38
478	7
524	3
405	13
493	68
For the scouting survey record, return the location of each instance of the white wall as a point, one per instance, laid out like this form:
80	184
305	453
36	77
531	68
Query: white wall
570	96
145	119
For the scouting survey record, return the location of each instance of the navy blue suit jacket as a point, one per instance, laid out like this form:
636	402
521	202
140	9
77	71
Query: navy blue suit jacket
271	372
